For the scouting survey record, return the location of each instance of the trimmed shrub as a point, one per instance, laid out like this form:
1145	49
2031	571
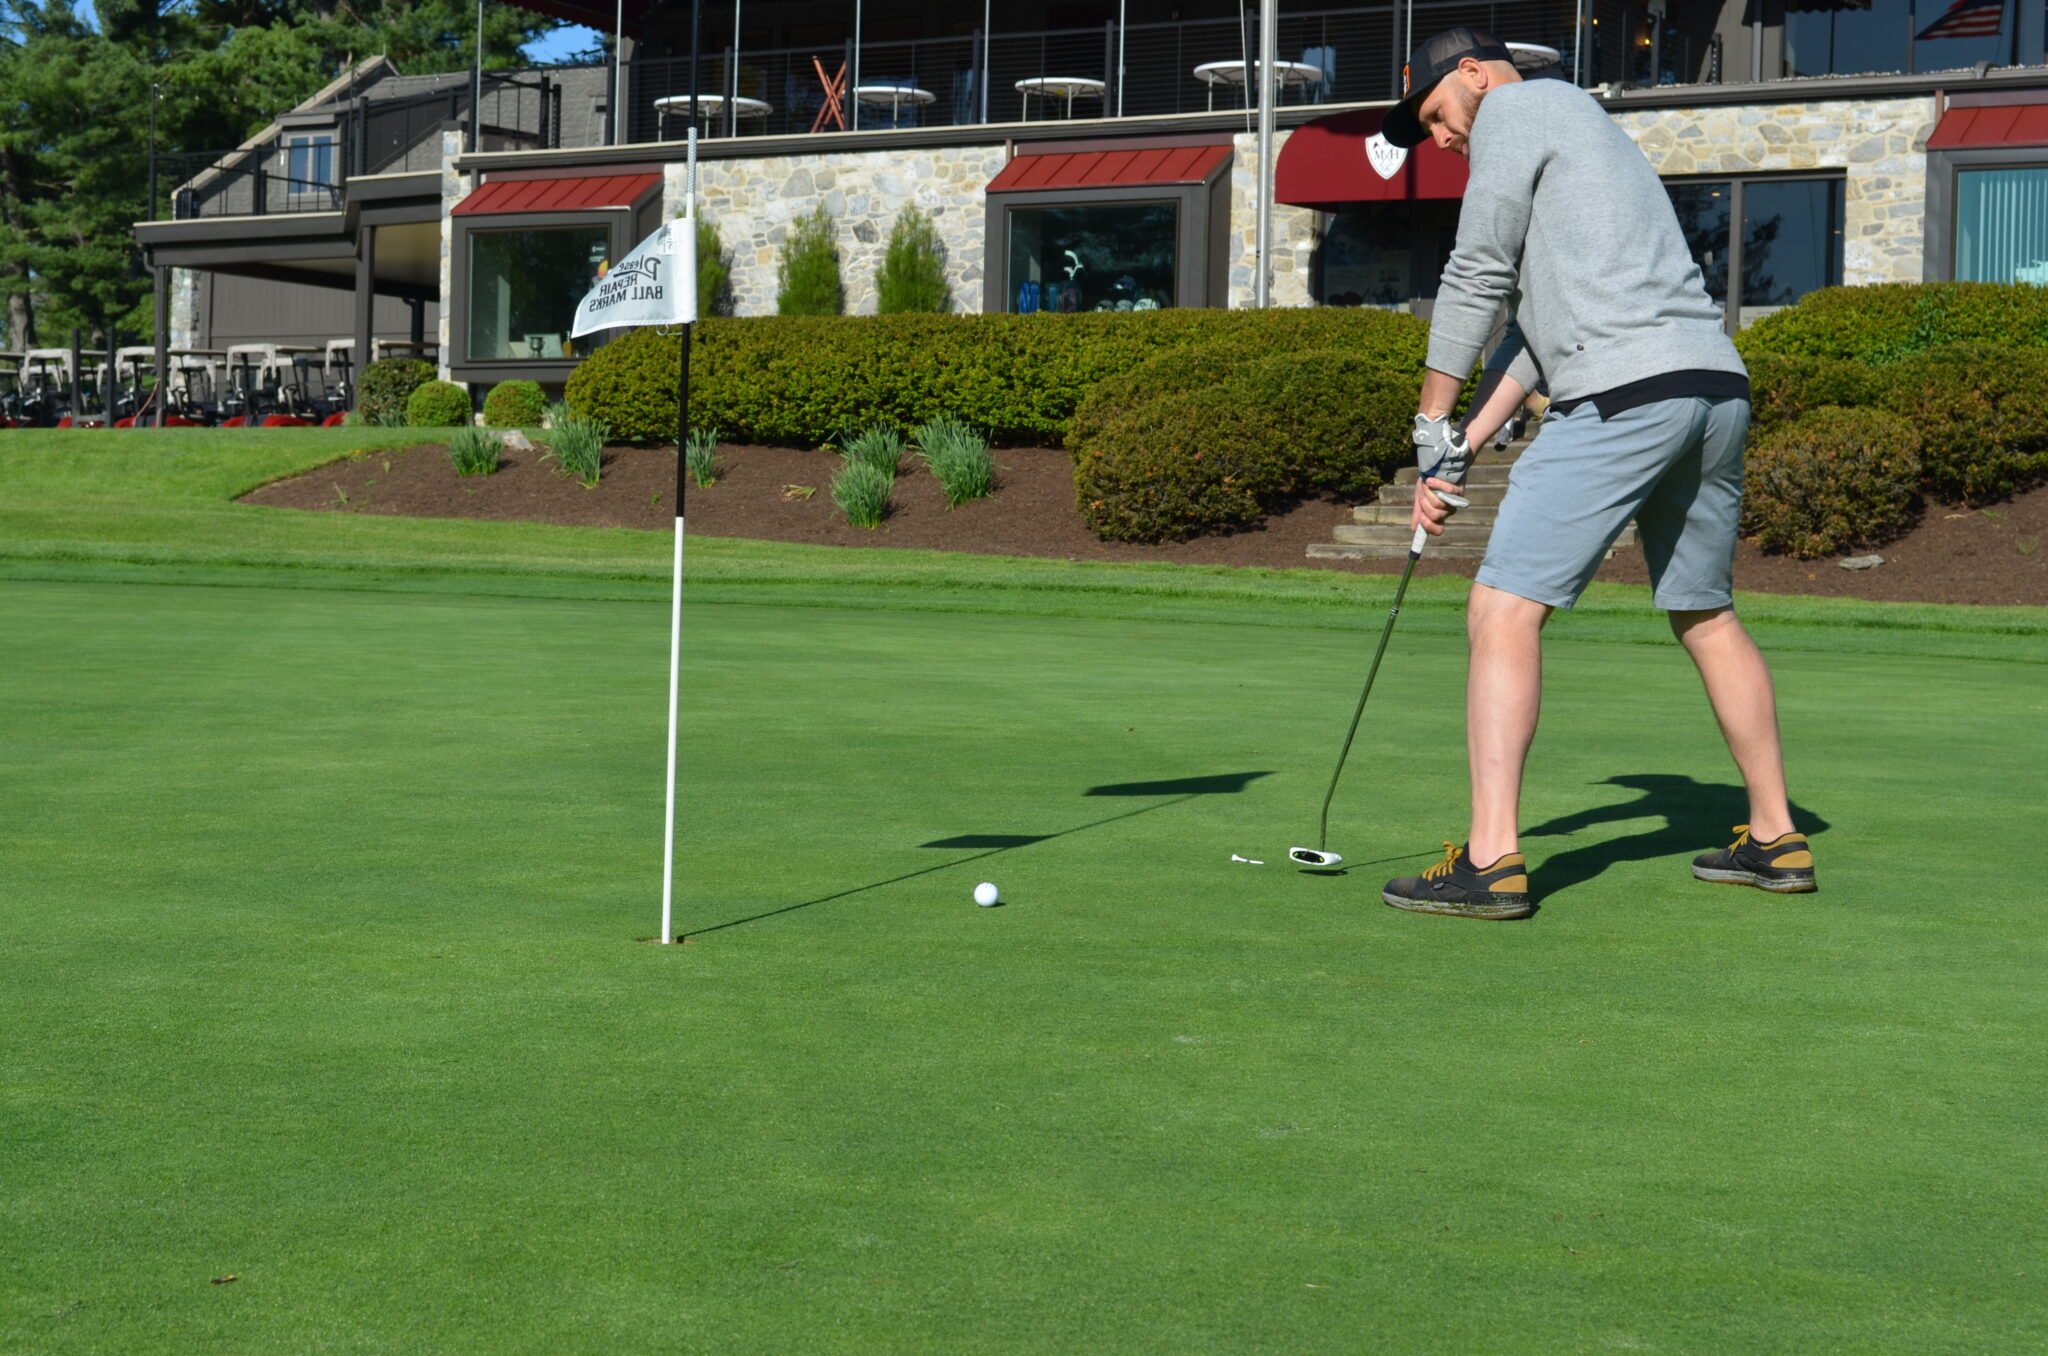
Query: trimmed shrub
387	385
1884	322
475	451
1783	387
1176	466
1180	466
797	380
1982	415
714	272
438	404
515	404
861	489
807	278
913	272
958	459
1831	480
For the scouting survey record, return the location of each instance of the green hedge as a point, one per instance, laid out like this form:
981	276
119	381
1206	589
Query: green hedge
1982	414
795	380
1219	443
438	404
1831	480
386	386
1884	322
1784	387
515	404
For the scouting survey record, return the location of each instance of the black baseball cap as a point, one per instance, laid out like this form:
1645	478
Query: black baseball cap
1429	63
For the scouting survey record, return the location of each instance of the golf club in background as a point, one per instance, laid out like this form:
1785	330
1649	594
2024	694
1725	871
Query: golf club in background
1319	855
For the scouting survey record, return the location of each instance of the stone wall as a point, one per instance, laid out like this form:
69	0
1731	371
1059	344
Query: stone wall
1294	234
754	202
1880	147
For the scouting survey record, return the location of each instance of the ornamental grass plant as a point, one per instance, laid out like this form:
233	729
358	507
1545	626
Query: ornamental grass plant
700	451
475	451
877	445
861	490
958	457
576	444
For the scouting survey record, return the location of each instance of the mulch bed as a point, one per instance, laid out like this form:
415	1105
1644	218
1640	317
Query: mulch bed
1991	555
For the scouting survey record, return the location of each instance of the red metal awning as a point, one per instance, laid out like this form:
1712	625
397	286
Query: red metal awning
1112	169
2002	125
1323	165
583	194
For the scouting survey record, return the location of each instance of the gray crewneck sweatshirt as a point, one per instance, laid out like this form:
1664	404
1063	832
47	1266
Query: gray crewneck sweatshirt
1565	223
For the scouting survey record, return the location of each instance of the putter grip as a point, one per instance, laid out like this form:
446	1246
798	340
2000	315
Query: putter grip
1421	538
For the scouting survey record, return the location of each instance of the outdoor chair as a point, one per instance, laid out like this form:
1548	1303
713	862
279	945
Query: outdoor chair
833	109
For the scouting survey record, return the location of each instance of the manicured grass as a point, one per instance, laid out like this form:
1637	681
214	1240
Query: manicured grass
318	962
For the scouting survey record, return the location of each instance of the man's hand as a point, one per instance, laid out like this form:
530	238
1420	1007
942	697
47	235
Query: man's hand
1432	509
1441	449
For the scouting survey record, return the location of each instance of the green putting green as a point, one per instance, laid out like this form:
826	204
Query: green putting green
322	961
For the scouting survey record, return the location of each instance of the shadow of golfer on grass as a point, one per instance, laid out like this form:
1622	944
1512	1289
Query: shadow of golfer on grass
1174	792
1697	818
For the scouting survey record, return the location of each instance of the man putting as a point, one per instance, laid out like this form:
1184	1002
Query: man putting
1565	224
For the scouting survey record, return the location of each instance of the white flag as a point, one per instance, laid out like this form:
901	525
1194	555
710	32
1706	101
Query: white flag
654	285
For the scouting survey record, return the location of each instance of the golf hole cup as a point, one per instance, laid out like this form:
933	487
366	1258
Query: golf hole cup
986	895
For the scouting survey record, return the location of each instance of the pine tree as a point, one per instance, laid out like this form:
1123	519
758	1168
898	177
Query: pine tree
913	272
807	274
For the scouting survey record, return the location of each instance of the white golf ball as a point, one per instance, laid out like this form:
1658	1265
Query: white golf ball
986	894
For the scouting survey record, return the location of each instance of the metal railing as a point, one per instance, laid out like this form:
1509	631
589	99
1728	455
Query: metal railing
1140	70
368	136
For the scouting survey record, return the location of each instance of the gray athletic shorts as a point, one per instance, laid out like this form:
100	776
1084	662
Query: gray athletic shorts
1674	466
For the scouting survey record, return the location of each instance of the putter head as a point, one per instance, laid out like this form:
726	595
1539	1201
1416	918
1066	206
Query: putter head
1315	857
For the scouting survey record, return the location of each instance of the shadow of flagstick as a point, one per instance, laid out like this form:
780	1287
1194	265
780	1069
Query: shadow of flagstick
942	866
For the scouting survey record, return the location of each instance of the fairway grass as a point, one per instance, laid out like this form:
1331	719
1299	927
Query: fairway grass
328	874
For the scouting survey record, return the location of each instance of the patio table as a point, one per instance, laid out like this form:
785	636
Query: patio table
1298	74
1068	87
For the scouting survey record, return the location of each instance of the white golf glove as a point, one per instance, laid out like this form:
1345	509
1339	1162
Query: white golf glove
1441	453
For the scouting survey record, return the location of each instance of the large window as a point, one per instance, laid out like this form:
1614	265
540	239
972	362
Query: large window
1790	242
1384	254
524	287
2002	225
1879	37
1112	257
309	162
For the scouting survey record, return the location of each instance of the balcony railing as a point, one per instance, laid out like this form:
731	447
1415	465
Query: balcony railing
521	109
1137	71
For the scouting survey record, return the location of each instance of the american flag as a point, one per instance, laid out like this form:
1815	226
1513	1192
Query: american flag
1968	19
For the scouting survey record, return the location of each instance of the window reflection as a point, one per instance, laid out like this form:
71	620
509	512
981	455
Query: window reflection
1791	242
1703	218
1112	257
524	287
2002	226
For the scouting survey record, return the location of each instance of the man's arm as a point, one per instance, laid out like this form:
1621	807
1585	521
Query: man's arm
1498	397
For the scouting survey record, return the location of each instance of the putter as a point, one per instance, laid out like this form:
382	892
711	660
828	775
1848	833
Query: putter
1319	856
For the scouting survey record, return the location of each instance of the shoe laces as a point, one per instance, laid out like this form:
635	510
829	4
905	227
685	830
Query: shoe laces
1741	837
1444	868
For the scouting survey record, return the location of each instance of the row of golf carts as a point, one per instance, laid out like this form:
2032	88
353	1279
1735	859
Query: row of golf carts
243	385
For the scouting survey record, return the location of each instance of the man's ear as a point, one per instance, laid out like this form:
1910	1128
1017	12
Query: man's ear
1474	70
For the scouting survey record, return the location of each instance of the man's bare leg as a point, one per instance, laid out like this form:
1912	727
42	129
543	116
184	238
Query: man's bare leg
1503	695
1738	684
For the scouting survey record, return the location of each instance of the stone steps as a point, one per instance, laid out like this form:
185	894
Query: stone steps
1380	531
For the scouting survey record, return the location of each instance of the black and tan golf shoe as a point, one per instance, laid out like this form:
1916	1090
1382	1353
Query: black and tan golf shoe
1783	866
1458	889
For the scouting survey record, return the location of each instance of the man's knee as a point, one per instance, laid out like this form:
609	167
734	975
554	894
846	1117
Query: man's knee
1691	626
1492	613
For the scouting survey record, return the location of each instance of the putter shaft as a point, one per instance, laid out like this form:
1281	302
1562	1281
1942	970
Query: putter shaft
1400	592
